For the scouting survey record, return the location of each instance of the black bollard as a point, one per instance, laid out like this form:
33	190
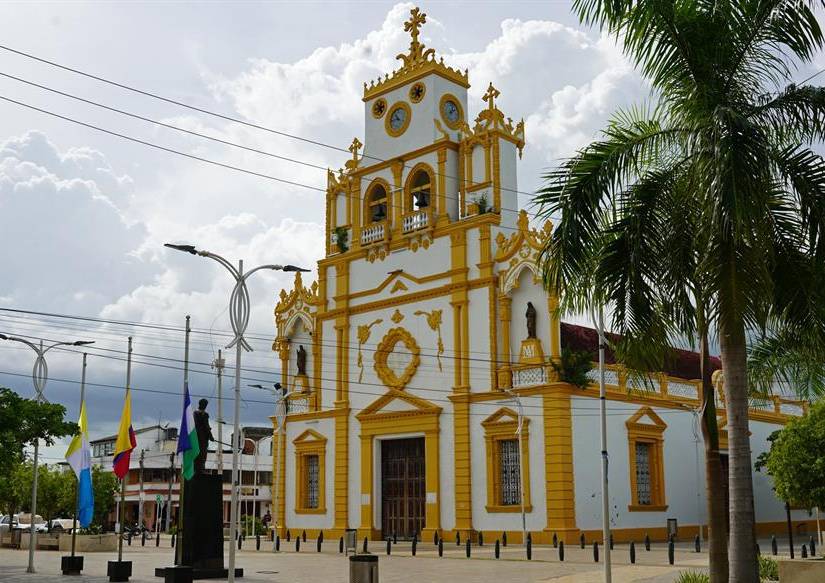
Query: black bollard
389	546
774	546
812	546
414	544
318	543
561	551
498	549
435	539
129	538
457	539
504	539
529	548
341	545
467	547
632	553
366	541
758	550
321	535
172	540
529	537
582	540
240	541
480	539
257	542
157	539
297	544
143	538
277	543
595	551
671	547
287	536
611	541
555	541
804	551
441	547
304	537
697	544
647	542
395	538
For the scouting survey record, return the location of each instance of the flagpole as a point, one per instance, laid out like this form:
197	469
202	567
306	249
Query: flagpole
123	480
182	481
77	478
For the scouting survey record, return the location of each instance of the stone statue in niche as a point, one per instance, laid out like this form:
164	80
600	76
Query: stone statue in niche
301	360
531	320
204	433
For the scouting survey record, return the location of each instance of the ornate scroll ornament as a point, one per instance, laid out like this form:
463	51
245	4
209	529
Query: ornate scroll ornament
397	317
417	62
491	120
395	365
434	322
298	304
364	332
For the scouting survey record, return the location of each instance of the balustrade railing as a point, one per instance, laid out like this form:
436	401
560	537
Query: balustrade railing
373	233
415	220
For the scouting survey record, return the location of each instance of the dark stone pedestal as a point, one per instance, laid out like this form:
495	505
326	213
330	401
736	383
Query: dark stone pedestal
71	565
119	570
200	544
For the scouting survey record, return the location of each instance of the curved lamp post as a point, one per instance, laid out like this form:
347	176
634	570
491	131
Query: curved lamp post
40	376
239	305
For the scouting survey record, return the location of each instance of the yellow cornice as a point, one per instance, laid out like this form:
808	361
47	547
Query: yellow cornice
384	164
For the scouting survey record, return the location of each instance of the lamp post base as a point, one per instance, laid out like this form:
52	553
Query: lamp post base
119	571
71	565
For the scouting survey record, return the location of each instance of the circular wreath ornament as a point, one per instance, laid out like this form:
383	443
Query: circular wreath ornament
397	358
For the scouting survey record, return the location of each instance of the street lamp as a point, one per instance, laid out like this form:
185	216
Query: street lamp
239	305
40	376
517	399
280	417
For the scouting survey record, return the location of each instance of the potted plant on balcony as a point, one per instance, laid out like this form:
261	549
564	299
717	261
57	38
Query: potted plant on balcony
341	239
573	367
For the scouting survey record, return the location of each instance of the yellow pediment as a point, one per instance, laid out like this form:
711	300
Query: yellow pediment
395	402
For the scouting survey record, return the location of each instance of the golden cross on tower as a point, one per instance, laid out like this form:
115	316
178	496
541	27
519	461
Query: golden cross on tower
417	18
354	147
490	97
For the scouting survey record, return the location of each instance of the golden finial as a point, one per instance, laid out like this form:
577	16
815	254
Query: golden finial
490	97
354	147
412	26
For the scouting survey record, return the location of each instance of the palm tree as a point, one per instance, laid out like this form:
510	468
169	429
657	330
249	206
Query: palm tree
726	143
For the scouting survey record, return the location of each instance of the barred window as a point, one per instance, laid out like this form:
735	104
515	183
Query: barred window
312	481
509	471
643	489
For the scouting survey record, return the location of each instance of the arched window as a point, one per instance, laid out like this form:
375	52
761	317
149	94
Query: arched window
420	189
377	204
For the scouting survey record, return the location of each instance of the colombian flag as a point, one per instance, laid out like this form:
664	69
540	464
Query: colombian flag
126	441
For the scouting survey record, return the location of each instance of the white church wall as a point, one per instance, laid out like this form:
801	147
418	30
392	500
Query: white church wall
509	185
473	253
479	167
446	466
479	340
293	429
341	217
451	184
496	521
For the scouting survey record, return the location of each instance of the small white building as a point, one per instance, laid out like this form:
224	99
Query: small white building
161	467
399	358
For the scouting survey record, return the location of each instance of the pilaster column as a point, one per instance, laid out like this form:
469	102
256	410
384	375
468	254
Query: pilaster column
504	315
558	466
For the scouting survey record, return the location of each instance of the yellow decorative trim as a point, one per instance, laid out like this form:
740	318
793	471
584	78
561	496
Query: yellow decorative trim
398	286
558	463
417	63
383	350
434	322
397	317
508	247
417	92
309	443
500	426
393	132
440	129
379	108
652	434
364	335
354	147
453	125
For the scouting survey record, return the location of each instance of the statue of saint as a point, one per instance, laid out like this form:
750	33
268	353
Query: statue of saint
302	361
204	435
531	320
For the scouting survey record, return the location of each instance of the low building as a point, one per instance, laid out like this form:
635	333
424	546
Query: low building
156	459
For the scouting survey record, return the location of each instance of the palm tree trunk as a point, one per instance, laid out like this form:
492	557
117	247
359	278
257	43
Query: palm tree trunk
743	565
717	519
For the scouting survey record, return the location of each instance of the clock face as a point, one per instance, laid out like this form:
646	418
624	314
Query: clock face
451	111
398	118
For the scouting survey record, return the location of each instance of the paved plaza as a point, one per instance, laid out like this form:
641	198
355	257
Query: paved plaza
309	566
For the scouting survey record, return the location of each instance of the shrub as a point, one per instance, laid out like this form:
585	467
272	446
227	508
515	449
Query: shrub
692	577
573	367
768	569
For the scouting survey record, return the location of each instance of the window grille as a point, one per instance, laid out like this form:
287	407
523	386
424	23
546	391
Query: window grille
643	489
509	470
312	481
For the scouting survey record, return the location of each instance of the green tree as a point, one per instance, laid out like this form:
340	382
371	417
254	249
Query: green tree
722	138
796	459
104	485
55	492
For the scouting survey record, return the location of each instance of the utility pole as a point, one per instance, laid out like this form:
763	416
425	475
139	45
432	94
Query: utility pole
140	495
169	493
218	364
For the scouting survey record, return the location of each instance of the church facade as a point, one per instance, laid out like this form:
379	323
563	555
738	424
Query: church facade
428	332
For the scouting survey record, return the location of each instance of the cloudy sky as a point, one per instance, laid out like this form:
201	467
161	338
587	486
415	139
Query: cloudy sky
84	214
